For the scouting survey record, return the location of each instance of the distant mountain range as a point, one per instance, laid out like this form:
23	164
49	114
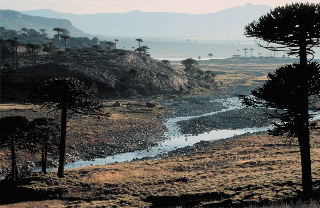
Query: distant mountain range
169	35
13	20
228	23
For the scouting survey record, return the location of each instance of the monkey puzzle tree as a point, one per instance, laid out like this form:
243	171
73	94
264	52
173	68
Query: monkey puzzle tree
251	49
190	64
115	43
245	52
141	50
13	132
44	137
297	27
70	96
139	41
34	47
44	35
14	43
65	37
59	30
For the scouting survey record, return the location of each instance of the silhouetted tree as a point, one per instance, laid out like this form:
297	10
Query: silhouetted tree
190	64
109	45
245	52
166	62
44	35
141	50
44	136
251	49
139	41
14	43
59	30
65	37
115	43
295	26
66	94
146	48
13	132
34	47
210	55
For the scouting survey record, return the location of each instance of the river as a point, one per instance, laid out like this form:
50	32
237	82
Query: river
175	139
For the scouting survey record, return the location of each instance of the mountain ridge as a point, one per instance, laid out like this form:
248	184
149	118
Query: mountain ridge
225	23
13	20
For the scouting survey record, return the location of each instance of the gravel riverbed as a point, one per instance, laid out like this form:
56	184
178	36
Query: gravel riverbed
152	135
181	107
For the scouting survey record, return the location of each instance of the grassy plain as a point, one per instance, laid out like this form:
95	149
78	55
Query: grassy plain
247	171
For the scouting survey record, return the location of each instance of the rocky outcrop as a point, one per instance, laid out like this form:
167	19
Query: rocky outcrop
113	74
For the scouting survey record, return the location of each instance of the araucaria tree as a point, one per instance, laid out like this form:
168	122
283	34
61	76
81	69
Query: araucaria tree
44	137
70	96
295	27
65	37
59	30
190	64
13	135
139	41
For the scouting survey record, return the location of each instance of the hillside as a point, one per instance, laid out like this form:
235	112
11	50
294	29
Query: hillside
226	23
12	20
114	74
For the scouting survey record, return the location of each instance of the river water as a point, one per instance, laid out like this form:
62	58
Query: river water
174	137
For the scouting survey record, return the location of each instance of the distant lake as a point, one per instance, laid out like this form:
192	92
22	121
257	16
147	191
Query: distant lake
180	59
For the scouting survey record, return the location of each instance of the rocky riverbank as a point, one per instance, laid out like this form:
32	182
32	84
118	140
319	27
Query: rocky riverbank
133	126
151	135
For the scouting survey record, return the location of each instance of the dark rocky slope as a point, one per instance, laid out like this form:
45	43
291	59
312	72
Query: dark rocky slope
115	74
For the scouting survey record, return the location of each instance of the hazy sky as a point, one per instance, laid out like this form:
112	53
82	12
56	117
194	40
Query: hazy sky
119	6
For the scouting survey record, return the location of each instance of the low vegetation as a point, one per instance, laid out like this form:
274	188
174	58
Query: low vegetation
249	171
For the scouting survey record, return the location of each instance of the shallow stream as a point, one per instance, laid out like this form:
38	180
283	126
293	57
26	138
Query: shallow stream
175	139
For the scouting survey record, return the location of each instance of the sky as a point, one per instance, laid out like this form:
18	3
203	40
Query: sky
120	6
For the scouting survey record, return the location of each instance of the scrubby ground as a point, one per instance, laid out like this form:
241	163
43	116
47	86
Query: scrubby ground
129	127
252	170
246	171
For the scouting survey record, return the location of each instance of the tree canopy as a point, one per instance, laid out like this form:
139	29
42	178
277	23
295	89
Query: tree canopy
190	64
282	91
288	26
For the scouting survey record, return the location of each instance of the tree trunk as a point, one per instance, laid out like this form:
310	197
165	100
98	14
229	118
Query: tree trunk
303	135
0	67
44	160
59	40
14	168
305	165
16	57
62	140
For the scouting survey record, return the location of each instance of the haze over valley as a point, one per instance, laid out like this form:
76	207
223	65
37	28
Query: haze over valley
168	35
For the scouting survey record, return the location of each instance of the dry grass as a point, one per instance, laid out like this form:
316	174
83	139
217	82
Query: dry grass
240	72
84	130
249	170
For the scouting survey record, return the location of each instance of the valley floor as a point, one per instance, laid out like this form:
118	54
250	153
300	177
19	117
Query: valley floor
241	171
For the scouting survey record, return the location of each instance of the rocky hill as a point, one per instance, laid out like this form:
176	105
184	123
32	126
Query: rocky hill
114	74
